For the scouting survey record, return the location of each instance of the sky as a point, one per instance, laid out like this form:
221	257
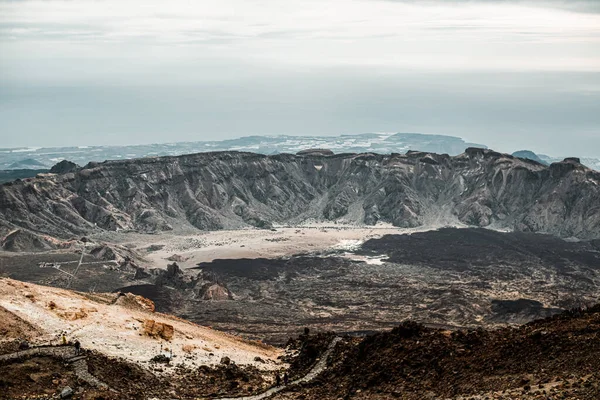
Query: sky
508	74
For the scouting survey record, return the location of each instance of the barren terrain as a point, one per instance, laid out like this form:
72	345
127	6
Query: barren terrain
340	278
355	281
117	326
553	358
281	241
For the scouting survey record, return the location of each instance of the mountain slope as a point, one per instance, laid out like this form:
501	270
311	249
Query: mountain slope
118	325
230	189
552	358
128	351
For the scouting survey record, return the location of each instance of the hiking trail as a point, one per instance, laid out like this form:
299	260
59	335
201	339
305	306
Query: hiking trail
67	353
319	367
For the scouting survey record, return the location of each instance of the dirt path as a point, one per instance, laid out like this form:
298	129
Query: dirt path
79	365
312	374
66	353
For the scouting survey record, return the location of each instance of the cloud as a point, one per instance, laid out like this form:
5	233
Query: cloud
586	6
83	69
467	35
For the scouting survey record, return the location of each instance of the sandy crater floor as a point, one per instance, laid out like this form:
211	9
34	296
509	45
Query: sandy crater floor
255	243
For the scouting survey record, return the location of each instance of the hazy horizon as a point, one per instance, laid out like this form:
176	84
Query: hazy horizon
162	143
508	74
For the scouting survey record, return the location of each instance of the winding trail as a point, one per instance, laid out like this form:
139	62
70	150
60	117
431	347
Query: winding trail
66	353
79	365
319	367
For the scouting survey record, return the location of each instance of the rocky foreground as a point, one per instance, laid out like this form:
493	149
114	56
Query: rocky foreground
128	347
553	358
556	358
211	191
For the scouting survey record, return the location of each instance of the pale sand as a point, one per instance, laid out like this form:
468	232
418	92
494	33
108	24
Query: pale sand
117	330
257	243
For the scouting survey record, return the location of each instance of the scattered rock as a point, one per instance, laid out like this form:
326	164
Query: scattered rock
225	360
66	393
177	257
161	358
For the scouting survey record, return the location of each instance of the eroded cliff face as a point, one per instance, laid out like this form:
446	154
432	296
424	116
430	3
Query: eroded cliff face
232	189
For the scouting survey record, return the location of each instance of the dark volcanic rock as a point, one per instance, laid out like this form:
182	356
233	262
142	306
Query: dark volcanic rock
173	277
315	152
20	240
556	356
230	189
466	250
520	310
64	167
450	277
163	297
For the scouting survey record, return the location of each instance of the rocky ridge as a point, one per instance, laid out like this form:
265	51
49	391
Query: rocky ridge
231	189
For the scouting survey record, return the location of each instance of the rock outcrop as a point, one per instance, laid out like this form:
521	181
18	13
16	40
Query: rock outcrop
215	291
230	189
64	167
315	152
114	252
135	302
21	240
158	330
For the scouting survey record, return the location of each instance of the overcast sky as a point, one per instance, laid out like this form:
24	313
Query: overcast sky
509	74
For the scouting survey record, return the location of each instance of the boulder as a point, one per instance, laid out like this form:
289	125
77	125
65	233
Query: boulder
215	292
66	393
225	360
64	167
158	330
135	302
